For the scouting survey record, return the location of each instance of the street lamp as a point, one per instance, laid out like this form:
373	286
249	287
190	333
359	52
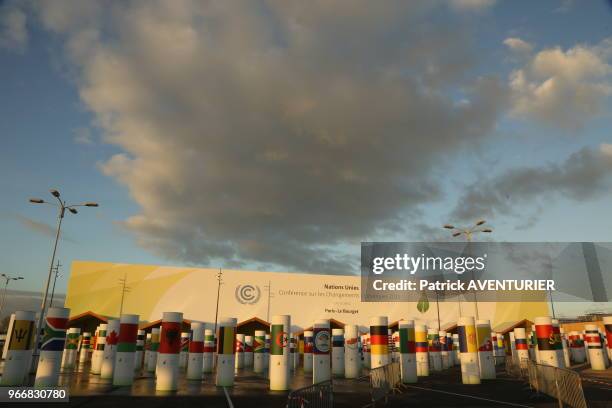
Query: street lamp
62	206
7	279
469	233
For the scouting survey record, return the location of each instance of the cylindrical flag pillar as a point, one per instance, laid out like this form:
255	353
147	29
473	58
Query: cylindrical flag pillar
596	357
444	356
209	351
365	345
513	347
126	348
110	350
70	350
449	347
184	353
547	352
338	352
531	340
226	350
52	347
259	345
379	341
85	348
267	351
522	349
98	353
152	362
19	352
292	351
395	344
147	351
407	351
607	321
239	345
566	353
248	351
558	343
470	372
421	347
433	341
352	360
140	341
196	349
321	359
485	350
167	369
501	349
308	346
456	354
495	347
279	353
576	347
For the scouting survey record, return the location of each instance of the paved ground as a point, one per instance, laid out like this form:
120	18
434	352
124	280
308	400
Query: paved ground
443	389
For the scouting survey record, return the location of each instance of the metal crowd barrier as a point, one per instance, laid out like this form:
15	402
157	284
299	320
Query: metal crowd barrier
562	384
384	380
318	395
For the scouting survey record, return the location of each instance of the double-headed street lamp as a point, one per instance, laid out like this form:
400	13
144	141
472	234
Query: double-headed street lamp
469	233
62	207
7	279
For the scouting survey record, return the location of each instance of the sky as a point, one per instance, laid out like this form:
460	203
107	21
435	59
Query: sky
278	135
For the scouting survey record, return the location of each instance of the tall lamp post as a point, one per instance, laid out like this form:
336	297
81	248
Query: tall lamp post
62	206
57	275
469	233
7	279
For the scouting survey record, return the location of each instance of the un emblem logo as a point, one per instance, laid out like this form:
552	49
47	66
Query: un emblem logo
247	294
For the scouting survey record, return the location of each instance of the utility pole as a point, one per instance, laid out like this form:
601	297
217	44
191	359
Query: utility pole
124	289
220	281
269	289
56	270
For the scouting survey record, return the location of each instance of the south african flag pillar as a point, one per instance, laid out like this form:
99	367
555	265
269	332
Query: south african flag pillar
546	341
259	345
226	335
52	347
279	352
407	351
167	369
126	349
468	347
379	341
322	345
19	353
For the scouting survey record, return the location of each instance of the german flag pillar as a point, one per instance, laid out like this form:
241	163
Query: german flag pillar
379	341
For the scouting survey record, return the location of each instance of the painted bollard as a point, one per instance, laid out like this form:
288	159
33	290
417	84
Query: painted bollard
379	341
308	346
485	349
352	360
292	352
449	347
522	350
259	346
321	359
531	340
52	347
565	345
279	353
208	352
167	368
138	356
267	352
126	349
196	350
70	349
407	351
470	371
152	361
421	347
147	350
19	351
110	350
501	350
365	344
98	353
226	350
248	351
456	354
433	340
84	355
558	344
547	352
513	347
607	321
594	344
576	347
444	355
239	356
338	352
395	344
184	352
